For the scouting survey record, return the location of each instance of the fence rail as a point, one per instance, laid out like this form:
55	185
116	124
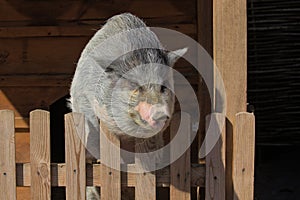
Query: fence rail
40	174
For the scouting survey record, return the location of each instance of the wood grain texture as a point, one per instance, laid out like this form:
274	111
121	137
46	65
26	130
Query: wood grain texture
58	175
230	50
75	156
74	31
215	161
243	156
110	159
145	180
180	170
7	155
230	57
41	54
88	12
23	193
204	37
22	100
22	147
40	155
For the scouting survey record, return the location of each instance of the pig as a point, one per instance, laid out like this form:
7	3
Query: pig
123	79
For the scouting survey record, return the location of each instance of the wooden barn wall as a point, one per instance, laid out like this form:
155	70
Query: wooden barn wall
274	69
40	43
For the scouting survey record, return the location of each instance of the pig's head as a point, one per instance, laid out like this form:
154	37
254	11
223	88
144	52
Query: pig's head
138	98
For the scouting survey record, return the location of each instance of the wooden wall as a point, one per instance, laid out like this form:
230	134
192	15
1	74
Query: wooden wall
40	43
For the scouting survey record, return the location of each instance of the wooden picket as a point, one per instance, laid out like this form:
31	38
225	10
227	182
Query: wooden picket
7	156
243	154
40	174
145	181
110	156
75	156
215	160
40	155
180	175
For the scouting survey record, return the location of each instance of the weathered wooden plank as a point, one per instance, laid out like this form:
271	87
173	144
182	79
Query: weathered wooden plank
22	100
204	37
74	11
7	155
215	160
180	170
22	147
56	80
59	80
75	31
110	159
47	31
243	156
58	175
230	56
23	193
40	154
22	122
75	156
40	54
145	180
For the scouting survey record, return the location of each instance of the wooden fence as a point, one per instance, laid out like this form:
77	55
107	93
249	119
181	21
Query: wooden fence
40	174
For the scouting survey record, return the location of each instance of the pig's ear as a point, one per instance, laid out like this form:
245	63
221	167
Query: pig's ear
173	56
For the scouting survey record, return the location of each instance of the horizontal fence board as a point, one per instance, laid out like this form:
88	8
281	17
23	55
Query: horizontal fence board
7	155
58	175
40	155
243	156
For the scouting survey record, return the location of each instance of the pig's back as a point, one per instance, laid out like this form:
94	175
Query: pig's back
113	26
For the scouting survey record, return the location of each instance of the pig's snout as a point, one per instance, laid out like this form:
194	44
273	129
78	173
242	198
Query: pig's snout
159	112
154	115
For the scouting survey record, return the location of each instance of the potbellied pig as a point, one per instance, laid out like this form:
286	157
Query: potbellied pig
123	78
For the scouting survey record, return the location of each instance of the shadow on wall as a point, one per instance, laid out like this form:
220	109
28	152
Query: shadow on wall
57	111
52	12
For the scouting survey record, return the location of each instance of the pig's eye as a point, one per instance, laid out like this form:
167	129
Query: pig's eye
133	85
163	89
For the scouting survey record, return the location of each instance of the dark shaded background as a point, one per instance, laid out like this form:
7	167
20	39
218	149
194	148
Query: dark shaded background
274	93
